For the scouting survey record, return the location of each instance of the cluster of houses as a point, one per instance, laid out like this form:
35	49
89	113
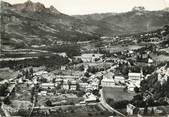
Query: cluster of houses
133	81
92	57
163	74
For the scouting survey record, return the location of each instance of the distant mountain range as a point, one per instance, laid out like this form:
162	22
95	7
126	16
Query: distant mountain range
32	23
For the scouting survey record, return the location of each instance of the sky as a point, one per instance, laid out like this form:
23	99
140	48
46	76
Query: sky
77	7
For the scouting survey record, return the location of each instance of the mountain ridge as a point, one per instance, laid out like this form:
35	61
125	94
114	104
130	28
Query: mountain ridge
32	23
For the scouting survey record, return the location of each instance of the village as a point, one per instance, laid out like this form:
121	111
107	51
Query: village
83	58
97	80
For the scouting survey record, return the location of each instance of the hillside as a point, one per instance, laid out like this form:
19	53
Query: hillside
134	21
29	23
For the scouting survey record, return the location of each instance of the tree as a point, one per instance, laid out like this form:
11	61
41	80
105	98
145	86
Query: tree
81	68
80	93
87	74
23	112
136	89
7	101
3	89
152	111
31	71
145	110
48	103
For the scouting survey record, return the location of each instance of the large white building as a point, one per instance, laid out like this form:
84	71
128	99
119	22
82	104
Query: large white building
135	77
108	82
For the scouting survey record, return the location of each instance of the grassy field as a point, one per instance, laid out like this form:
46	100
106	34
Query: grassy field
122	48
160	57
117	94
84	111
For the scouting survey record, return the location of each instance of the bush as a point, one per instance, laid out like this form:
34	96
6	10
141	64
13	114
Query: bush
23	112
48	103
7	101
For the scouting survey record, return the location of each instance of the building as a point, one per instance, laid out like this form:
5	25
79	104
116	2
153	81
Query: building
83	85
107	82
135	77
150	61
89	97
63	68
73	85
48	85
95	85
119	79
131	87
90	57
162	78
65	85
89	87
131	109
39	73
58	81
43	93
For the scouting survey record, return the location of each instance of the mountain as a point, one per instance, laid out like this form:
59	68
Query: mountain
166	9
29	23
134	21
29	6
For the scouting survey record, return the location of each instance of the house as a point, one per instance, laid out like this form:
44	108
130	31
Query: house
89	87
107	82
73	85
20	80
162	78
40	73
135	77
95	85
65	85
58	81
89	97
131	109
150	61
63	54
49	76
131	87
48	85
83	85
43	93
63	68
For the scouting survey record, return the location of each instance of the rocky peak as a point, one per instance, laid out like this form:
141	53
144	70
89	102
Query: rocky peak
30	6
4	4
53	10
35	7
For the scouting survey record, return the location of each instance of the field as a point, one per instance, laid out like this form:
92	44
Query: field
117	94
83	111
160	58
122	48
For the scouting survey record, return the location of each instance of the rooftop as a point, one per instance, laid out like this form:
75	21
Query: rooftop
134	74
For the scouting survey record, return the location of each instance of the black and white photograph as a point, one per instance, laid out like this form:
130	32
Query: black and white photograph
84	58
